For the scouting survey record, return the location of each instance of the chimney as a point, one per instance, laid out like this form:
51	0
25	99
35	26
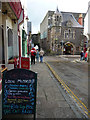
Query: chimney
80	20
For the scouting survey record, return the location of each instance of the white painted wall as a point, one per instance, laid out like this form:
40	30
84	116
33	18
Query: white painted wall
89	17
86	25
87	22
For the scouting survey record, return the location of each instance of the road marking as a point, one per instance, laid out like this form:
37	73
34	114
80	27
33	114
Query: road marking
75	98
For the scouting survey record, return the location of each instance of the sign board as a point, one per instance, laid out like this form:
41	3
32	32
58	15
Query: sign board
19	92
16	7
25	63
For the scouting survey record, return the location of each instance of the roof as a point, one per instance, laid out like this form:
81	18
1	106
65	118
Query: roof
69	17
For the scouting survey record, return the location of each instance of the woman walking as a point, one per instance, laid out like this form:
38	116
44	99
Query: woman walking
41	55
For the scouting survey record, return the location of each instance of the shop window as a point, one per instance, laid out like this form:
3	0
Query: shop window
10	44
2	55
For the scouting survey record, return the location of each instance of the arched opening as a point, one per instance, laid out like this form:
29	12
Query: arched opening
69	48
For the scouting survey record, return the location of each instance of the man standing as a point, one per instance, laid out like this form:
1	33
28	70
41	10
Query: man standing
82	55
41	55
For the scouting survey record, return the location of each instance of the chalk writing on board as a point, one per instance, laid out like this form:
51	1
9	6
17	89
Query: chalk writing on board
19	92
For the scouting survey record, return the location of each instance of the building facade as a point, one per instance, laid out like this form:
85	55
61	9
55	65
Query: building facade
36	39
61	32
87	26
9	44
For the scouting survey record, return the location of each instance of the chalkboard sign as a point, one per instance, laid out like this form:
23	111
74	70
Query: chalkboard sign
19	92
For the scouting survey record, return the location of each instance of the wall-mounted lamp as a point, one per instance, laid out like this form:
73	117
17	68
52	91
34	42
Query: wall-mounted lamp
23	25
27	18
14	20
2	26
8	28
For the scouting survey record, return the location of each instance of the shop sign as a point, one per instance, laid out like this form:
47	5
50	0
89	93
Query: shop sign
25	63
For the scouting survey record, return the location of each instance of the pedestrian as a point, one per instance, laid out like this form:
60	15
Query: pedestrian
82	55
37	56
41	55
86	55
33	54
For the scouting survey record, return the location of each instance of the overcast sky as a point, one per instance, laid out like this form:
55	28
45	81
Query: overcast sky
37	9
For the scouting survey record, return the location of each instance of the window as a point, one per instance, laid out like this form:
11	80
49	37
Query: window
57	18
74	35
10	44
55	41
2	57
68	34
58	46
10	37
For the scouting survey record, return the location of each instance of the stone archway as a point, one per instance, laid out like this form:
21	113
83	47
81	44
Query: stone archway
69	48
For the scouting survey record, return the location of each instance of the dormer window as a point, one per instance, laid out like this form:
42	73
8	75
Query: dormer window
57	18
69	24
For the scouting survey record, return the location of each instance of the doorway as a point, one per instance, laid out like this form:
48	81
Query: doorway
69	49
2	54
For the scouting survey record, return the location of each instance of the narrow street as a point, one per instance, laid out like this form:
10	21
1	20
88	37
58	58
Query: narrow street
52	100
75	75
56	100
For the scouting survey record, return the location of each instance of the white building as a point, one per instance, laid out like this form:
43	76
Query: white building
87	25
24	31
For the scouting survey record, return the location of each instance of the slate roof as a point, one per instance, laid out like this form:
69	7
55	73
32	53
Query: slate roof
69	17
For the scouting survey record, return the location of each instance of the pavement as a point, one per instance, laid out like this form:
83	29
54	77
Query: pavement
52	101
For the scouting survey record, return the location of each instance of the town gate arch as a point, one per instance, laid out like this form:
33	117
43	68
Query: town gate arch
69	48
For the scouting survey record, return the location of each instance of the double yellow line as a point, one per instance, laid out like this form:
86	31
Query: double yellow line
78	101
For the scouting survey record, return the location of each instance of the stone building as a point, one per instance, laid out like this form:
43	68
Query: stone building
61	32
36	39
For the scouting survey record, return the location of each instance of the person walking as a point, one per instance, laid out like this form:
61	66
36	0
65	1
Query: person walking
37	56
41	55
82	55
86	55
33	54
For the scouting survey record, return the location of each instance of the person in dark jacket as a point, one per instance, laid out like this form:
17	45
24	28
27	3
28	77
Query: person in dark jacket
33	54
82	55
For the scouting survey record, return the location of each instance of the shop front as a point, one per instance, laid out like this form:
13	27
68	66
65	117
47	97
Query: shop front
9	48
